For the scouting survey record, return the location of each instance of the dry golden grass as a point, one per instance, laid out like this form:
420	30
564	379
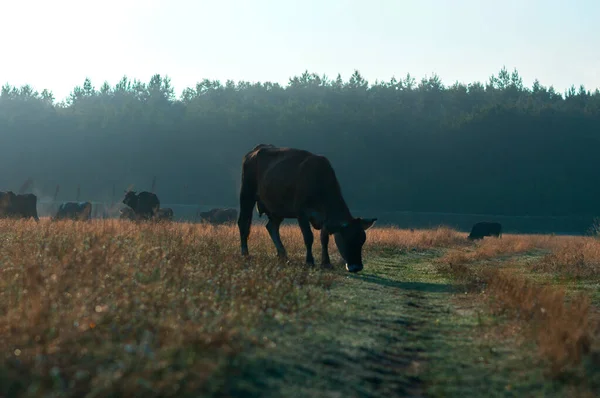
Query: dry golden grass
114	306
107	305
572	256
403	239
492	248
577	258
563	329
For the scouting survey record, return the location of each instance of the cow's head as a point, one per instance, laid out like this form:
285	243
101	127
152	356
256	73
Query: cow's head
350	238
130	199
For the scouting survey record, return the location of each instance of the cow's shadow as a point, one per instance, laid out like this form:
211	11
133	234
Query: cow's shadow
419	286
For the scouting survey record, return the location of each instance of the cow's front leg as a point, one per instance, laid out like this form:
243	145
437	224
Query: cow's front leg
325	261
308	238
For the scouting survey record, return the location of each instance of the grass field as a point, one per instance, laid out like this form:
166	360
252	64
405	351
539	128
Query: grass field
113	308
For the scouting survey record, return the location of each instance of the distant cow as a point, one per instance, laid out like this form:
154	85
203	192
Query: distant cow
18	206
485	228
144	205
219	216
81	211
293	183
164	214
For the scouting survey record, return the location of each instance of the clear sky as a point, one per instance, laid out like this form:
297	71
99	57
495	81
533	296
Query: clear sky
57	44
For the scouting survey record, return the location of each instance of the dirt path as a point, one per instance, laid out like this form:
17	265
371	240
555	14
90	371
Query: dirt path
370	342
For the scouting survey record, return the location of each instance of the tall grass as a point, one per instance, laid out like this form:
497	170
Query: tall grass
575	258
564	329
112	306
396	239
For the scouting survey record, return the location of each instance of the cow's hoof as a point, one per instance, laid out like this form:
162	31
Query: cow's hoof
327	266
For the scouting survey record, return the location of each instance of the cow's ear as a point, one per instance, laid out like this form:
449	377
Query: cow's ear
367	223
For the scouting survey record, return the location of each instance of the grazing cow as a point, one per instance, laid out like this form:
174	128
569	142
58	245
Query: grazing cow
18	206
485	228
219	216
127	213
164	214
145	204
293	183
81	211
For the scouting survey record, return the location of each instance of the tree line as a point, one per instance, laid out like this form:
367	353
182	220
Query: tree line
494	147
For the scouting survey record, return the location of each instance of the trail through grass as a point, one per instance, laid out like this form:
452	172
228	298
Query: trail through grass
397	329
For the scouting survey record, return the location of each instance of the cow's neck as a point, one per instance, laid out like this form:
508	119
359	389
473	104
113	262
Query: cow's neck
336	211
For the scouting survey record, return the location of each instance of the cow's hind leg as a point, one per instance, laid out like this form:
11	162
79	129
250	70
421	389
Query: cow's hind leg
247	201
273	228
308	238
325	261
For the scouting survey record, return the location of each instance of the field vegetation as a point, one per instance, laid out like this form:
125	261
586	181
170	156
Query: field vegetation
115	308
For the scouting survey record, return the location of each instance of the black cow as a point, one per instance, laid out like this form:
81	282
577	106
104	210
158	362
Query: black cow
219	216
81	211
145	205
485	228
293	183
18	206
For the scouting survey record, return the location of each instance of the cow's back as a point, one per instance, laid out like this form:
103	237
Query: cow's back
266	158
286	179
279	176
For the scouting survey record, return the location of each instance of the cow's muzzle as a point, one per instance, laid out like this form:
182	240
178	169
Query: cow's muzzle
354	267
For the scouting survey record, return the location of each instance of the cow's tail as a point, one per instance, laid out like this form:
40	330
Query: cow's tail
248	191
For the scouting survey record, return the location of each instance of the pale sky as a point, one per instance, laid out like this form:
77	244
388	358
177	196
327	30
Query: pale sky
57	44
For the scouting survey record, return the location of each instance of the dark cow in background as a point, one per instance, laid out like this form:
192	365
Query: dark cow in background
18	206
164	214
294	183
485	228
145	205
81	211
219	216
26	206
